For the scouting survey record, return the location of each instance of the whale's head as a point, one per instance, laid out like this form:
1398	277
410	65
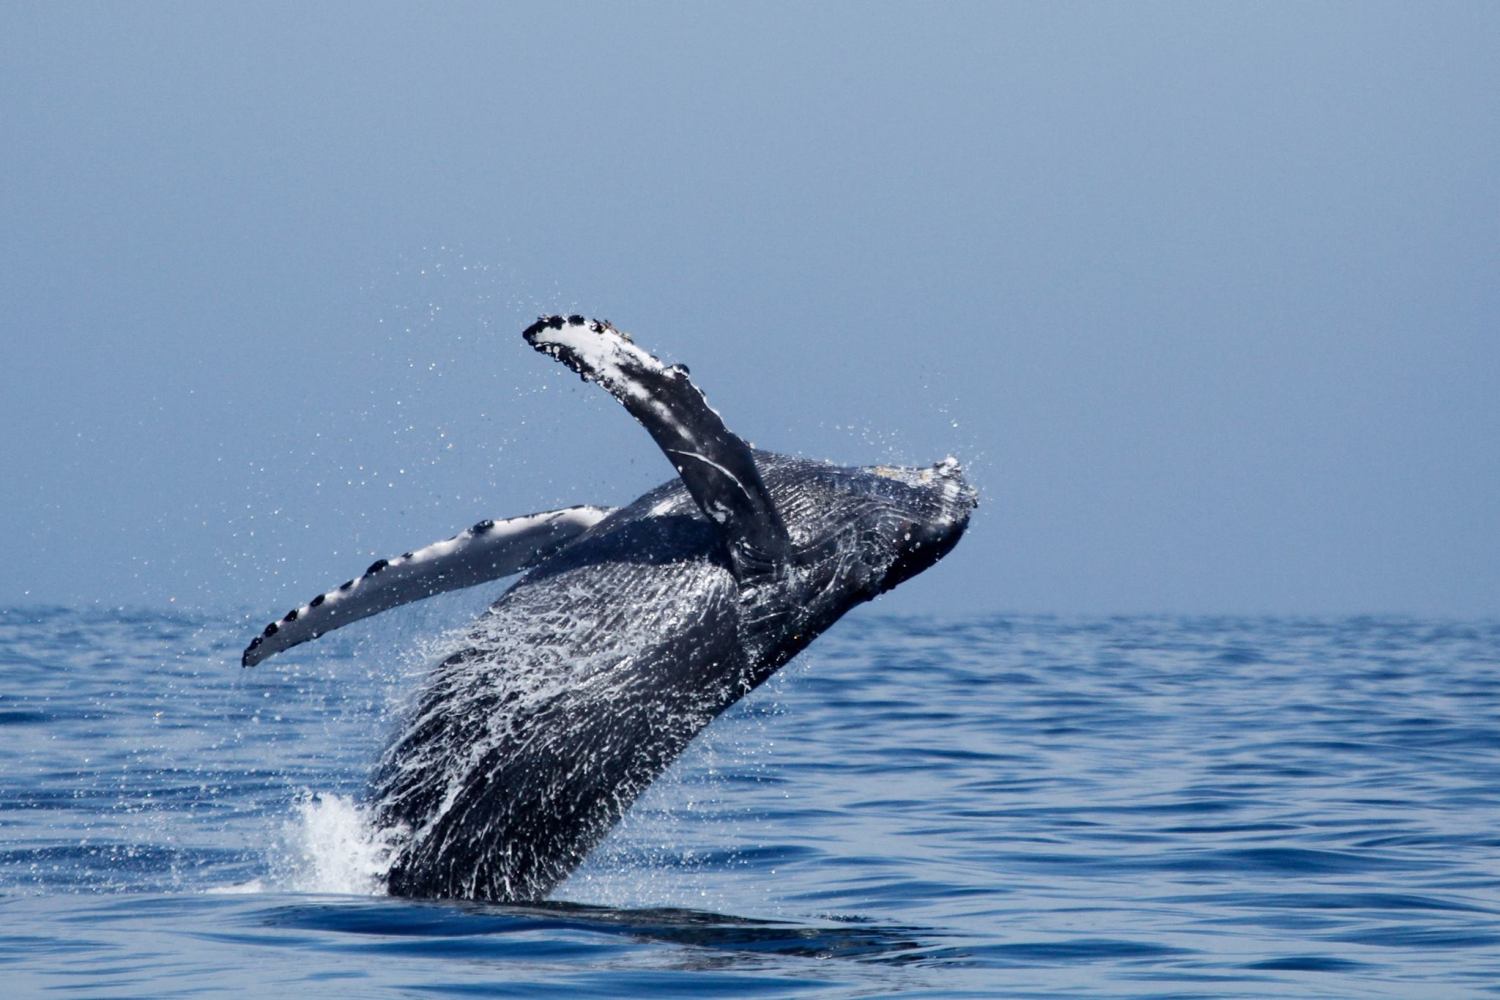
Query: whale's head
925	512
862	531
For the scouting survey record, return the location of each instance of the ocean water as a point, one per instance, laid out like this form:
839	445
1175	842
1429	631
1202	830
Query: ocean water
995	806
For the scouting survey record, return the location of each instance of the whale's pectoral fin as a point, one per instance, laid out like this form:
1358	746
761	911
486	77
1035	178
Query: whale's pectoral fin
714	463
487	551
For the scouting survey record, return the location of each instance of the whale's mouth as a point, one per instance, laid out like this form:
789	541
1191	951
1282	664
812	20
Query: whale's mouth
928	545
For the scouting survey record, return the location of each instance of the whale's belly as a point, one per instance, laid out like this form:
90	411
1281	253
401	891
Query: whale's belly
570	695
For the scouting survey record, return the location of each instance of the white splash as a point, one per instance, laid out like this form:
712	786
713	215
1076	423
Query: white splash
331	845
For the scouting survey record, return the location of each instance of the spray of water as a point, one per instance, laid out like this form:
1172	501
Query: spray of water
330	845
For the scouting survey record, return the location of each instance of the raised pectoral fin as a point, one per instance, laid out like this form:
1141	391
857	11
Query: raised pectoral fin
715	464
487	551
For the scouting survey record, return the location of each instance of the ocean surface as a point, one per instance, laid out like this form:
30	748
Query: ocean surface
995	806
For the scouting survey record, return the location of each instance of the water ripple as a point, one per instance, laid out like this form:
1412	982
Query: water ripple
998	806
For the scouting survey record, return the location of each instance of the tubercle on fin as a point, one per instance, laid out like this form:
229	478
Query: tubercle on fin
721	476
613	360
424	572
557	322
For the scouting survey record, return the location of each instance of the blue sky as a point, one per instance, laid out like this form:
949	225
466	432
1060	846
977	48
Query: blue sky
1204	295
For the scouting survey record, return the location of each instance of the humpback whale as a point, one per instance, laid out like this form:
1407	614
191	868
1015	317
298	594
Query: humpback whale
629	632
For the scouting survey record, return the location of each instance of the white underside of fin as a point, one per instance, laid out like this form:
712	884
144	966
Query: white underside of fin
487	551
608	355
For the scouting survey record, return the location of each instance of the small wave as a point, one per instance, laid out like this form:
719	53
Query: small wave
446	928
